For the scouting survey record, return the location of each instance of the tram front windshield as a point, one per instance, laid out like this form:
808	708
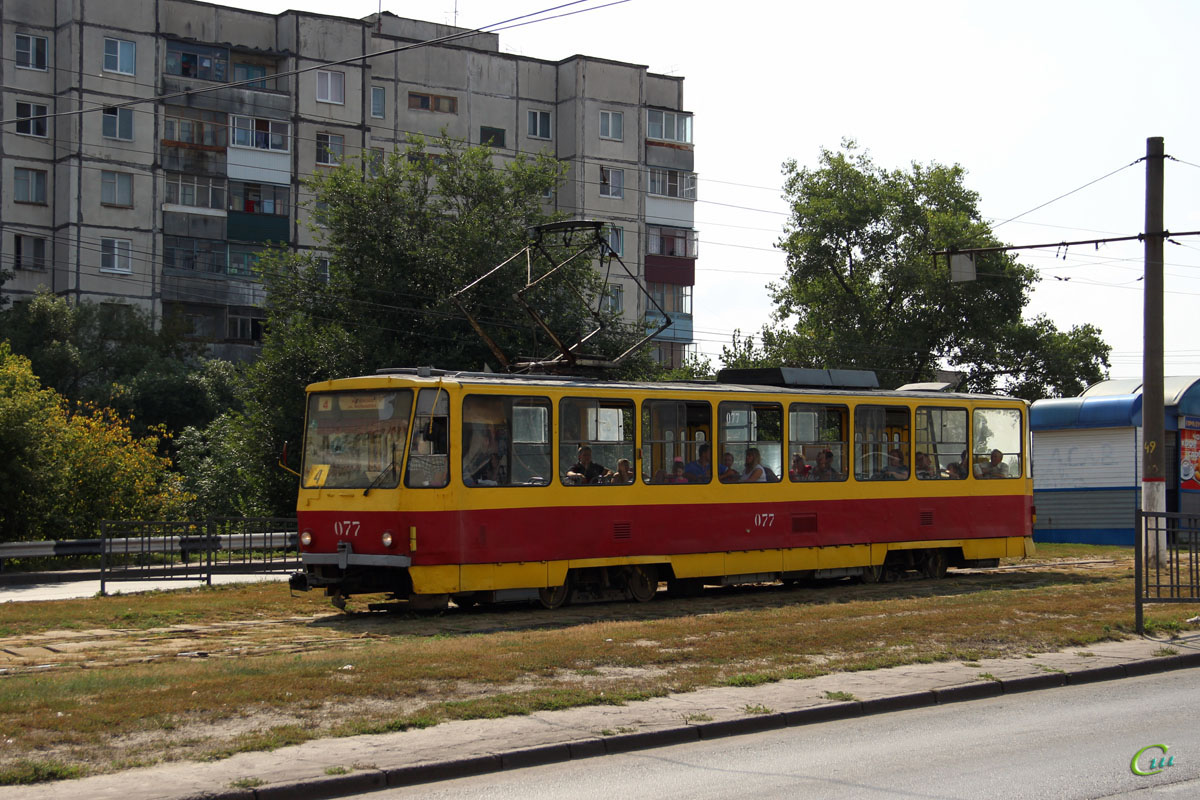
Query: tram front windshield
355	440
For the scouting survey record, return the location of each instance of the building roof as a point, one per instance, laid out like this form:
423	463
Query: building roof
1116	404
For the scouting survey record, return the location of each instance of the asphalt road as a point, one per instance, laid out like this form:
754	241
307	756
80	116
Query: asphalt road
1072	742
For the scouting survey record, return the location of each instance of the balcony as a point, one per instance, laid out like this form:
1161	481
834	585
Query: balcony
680	329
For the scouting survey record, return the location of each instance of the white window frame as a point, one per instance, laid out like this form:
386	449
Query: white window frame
616	238
607	118
612	183
534	127
613	299
123	46
118	186
116	255
671	126
378	102
116	121
331	87
327	154
35	182
235	128
671	183
31	52
30	119
181	184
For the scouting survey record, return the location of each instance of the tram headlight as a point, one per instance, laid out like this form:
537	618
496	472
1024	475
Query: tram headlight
306	538
387	538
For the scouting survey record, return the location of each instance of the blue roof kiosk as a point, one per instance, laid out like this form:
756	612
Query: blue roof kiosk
1087	464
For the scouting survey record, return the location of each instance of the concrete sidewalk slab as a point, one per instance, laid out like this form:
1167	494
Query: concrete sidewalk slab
338	767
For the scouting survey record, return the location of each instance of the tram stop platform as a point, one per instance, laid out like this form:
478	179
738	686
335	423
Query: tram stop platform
474	747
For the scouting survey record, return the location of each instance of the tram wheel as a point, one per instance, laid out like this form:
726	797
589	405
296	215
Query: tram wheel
642	582
934	564
554	596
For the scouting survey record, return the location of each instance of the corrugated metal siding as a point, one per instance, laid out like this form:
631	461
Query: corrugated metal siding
1086	458
1101	509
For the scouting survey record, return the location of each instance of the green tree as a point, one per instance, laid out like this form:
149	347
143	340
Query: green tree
114	356
64	470
396	238
862	290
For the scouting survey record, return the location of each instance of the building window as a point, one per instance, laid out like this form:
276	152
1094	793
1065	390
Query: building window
195	191
261	134
116	188
612	182
331	87
679	242
243	260
613	300
668	126
244	329
672	183
115	255
418	101
259	198
29	185
252	76
330	147
674	298
616	238
198	255
378	101
31	51
31	119
539	124
208	129
611	125
197	61
492	137
375	162
120	56
29	252
118	123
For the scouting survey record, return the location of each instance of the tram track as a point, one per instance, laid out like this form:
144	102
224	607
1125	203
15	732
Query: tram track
115	647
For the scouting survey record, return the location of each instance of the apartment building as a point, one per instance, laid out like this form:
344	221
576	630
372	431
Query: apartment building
131	172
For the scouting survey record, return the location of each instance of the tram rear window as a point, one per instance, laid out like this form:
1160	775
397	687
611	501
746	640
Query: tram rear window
355	439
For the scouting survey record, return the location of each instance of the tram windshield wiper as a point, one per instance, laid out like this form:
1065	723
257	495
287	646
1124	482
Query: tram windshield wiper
391	468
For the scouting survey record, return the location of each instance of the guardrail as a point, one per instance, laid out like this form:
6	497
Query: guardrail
1169	574
178	550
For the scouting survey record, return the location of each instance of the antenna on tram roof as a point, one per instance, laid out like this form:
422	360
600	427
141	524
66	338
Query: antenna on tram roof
579	239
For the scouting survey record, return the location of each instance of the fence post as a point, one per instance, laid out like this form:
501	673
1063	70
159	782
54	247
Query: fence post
1139	563
210	529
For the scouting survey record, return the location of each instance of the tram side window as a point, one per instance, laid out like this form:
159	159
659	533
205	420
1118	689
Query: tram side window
429	454
881	443
997	438
753	434
817	436
595	440
673	434
940	436
506	441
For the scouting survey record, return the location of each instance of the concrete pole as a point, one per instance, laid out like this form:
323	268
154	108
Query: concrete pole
1154	487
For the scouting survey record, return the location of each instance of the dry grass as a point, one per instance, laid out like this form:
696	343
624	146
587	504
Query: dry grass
272	670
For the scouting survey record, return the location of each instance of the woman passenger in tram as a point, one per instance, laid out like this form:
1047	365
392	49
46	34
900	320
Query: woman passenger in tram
755	472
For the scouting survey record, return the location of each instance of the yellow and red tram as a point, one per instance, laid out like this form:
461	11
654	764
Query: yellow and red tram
432	485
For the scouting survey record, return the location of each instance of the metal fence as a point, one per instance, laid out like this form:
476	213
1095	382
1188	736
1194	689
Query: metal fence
195	550
1167	573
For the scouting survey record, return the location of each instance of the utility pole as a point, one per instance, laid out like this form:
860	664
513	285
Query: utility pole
1154	486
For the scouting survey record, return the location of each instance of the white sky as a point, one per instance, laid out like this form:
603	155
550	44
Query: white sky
1034	99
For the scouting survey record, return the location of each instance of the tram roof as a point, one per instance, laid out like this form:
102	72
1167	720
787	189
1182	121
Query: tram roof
1116	404
581	382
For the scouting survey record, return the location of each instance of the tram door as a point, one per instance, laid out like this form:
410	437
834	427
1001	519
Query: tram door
672	432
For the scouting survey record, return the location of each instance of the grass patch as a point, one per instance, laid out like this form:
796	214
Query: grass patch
841	697
247	783
757	708
28	770
688	719
274	676
1166	651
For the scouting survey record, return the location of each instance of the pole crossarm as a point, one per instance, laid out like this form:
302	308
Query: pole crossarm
1141	237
